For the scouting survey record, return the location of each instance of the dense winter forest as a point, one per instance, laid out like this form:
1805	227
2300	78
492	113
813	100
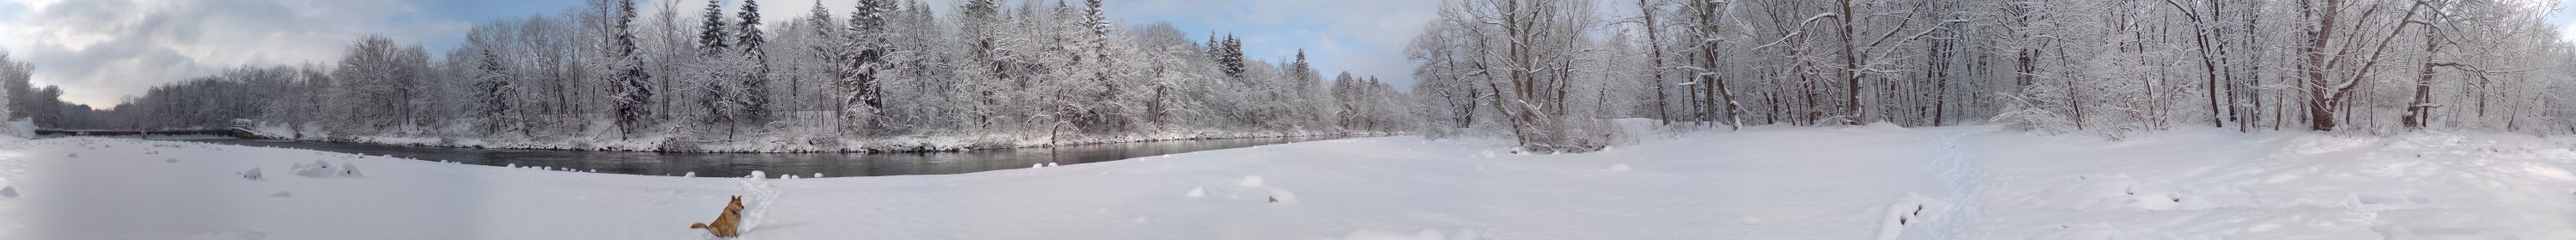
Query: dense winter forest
1547	74
1041	73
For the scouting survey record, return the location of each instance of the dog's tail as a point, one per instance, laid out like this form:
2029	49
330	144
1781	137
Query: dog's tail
697	225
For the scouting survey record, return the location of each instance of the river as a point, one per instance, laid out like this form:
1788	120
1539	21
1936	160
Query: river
779	164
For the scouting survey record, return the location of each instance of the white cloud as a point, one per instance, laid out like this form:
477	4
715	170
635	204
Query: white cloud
2567	32
104	50
1365	37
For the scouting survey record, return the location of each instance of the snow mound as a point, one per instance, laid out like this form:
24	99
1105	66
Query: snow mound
74	155
350	170
1250	181
170	160
1425	234
9	192
321	169
252	174
1197	192
1622	167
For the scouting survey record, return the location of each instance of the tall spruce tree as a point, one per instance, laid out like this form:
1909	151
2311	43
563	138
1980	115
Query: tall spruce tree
634	90
711	34
863	53
755	84
493	81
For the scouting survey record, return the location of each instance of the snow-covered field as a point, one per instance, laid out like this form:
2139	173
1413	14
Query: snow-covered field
1763	183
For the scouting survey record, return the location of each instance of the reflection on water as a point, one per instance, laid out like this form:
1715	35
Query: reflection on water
779	164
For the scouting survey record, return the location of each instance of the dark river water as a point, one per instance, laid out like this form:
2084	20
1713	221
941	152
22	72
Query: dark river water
780	164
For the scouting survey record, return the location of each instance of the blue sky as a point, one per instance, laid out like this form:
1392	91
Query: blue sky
2562	17
101	51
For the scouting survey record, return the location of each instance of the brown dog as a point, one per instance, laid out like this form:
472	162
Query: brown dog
725	225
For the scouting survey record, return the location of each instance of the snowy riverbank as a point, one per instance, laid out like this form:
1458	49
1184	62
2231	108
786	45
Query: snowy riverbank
1763	183
790	144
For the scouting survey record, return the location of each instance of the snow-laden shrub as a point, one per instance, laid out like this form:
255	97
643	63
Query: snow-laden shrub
252	174
350	170
21	128
320	169
1568	135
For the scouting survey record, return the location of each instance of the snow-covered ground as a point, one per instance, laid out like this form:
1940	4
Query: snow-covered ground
1873	182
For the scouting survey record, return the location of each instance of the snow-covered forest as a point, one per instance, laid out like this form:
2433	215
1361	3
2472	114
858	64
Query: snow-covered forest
1038	73
1548	72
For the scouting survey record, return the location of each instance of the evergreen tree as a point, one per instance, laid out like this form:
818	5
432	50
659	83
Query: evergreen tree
634	87
493	81
755	84
1229	57
820	18
714	92
863	54
711	37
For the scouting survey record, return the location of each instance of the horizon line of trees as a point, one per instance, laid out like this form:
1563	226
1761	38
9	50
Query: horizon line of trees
889	68
1548	72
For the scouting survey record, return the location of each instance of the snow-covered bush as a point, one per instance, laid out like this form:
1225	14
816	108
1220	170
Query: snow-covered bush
252	174
21	128
320	169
